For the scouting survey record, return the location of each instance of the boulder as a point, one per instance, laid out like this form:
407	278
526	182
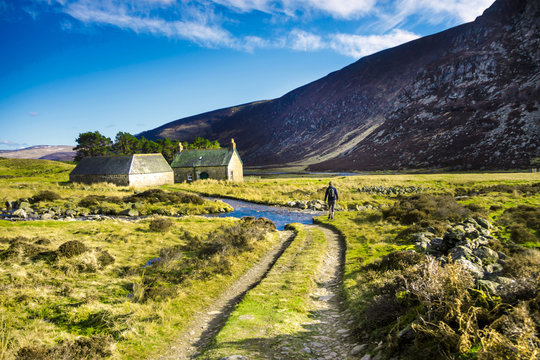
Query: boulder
461	252
474	269
47	216
358	349
493	268
487	255
70	213
483	223
20	213
131	212
24	205
490	286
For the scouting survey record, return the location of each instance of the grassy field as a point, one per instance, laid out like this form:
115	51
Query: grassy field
82	288
127	289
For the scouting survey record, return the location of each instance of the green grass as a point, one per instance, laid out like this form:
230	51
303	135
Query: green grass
45	302
278	307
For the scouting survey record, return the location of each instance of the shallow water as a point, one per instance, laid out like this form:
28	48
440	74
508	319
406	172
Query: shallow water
281	216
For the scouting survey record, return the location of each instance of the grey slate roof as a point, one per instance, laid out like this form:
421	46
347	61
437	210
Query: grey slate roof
203	157
122	165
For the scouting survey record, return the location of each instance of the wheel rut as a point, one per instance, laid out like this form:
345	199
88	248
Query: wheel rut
326	336
205	326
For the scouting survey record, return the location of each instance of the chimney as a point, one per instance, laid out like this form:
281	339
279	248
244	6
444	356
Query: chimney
233	144
180	147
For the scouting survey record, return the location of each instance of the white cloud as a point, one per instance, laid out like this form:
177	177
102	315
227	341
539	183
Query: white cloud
449	12
305	41
341	8
33	113
361	45
205	22
120	16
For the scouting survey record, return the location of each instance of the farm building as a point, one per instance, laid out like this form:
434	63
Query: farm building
220	164
131	170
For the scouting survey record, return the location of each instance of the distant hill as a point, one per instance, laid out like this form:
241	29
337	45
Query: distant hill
46	152
465	98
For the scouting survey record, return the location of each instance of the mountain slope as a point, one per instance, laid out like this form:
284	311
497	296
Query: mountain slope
46	152
465	97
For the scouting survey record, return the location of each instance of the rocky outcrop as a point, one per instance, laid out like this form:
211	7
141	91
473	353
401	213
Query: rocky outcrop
465	98
467	244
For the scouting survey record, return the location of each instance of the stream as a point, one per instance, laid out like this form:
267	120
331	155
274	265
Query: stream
280	216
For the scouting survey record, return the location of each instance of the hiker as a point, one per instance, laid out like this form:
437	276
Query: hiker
332	196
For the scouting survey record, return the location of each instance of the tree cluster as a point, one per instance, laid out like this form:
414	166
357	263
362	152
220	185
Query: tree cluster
96	144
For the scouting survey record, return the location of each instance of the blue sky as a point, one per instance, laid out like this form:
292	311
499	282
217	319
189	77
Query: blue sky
70	66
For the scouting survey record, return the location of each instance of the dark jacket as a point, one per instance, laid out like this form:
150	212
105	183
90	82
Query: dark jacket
331	194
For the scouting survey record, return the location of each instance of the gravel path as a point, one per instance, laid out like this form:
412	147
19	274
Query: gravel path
204	327
329	334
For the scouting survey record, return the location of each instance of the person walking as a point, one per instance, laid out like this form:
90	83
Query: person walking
332	196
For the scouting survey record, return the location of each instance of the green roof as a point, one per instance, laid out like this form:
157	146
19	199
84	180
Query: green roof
203	157
121	165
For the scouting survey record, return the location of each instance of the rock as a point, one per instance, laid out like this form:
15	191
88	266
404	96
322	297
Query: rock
487	255
234	357
20	213
421	246
358	349
378	356
475	269
71	213
490	286
483	223
9	206
47	216
493	268
461	252
24	205
504	281
436	244
130	212
366	357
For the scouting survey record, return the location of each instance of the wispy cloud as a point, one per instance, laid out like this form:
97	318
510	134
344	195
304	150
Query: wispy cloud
305	41
33	113
361	45
6	144
214	23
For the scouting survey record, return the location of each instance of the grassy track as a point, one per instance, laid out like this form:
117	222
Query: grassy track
279	307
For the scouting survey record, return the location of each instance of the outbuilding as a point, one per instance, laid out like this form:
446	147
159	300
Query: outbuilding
221	164
136	170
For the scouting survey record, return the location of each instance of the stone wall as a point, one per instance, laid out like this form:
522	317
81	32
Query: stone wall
214	172
121	180
235	169
155	179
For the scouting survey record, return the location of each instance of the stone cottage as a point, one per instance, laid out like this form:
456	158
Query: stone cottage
220	164
132	170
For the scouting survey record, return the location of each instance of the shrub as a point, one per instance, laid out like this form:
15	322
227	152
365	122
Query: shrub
84	348
424	207
160	224
522	220
397	260
45	195
153	196
71	248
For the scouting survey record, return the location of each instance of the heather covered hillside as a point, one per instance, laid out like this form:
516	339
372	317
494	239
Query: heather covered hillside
465	98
